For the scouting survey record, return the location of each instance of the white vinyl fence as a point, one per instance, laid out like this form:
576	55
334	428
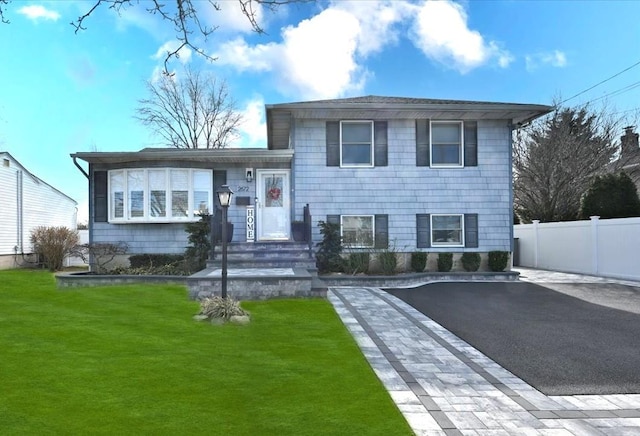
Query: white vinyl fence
608	248
76	260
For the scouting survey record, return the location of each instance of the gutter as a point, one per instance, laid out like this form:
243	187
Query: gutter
75	162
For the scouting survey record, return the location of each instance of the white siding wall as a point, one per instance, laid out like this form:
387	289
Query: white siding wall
403	189
8	210
42	205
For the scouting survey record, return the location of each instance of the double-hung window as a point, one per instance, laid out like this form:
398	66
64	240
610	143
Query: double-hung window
159	194
357	231
447	139
447	230
356	143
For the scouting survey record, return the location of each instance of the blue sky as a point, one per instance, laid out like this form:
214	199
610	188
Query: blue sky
63	92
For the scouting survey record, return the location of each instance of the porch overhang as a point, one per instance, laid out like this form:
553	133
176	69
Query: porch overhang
248	156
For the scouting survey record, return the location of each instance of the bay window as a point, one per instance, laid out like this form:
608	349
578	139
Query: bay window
159	194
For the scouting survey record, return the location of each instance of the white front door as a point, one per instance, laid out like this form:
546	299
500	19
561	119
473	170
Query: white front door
273	220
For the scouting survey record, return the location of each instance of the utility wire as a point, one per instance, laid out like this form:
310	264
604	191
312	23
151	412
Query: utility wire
599	83
616	92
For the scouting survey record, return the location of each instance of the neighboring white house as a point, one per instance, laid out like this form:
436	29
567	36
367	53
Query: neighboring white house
27	202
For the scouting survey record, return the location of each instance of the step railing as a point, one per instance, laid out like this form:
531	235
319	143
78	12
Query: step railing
306	213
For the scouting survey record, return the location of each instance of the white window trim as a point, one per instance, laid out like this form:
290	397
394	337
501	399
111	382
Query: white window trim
373	230
445	245
147	218
371	148
461	153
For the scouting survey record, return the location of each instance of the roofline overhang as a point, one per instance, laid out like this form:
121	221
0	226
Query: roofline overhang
519	114
225	156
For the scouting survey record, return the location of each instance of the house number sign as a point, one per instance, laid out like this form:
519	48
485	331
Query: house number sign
251	224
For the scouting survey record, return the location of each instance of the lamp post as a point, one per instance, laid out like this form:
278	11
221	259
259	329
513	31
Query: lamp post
224	196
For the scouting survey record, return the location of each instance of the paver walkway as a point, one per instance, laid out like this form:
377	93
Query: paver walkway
444	386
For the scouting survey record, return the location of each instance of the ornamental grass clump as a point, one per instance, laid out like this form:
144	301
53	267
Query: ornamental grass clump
221	308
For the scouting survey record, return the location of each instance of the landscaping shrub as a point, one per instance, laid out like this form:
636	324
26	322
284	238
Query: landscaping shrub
154	260
53	244
357	263
445	262
470	261
197	252
99	255
388	262
418	261
328	257
498	260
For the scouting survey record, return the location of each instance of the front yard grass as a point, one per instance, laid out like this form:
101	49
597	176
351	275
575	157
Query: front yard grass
130	360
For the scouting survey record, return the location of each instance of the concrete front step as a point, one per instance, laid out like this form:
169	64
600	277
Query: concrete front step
265	255
254	283
280	262
265	246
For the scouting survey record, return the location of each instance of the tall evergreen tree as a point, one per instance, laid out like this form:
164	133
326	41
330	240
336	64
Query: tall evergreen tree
555	160
611	196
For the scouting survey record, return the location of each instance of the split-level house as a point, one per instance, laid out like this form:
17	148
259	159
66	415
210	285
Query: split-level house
409	174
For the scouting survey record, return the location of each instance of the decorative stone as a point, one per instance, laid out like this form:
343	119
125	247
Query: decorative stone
200	317
217	321
240	319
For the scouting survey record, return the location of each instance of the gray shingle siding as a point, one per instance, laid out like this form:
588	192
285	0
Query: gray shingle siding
403	189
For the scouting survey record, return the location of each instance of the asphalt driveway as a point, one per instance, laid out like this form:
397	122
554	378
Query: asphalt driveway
559	344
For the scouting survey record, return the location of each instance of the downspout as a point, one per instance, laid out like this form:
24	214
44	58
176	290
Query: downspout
75	162
511	212
91	188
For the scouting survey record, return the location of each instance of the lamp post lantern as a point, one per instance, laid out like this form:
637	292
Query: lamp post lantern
224	196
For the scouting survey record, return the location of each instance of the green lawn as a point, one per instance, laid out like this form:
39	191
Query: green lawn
130	360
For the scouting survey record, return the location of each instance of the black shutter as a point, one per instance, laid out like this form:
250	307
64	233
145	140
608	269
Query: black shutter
333	219
333	143
470	144
219	179
422	143
423	230
100	197
380	143
382	231
471	230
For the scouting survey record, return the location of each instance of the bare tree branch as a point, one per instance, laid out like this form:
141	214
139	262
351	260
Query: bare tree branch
194	111
3	8
555	160
183	16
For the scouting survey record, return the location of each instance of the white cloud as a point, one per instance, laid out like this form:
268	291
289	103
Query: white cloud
441	32
378	22
324	56
555	58
316	58
36	12
253	130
